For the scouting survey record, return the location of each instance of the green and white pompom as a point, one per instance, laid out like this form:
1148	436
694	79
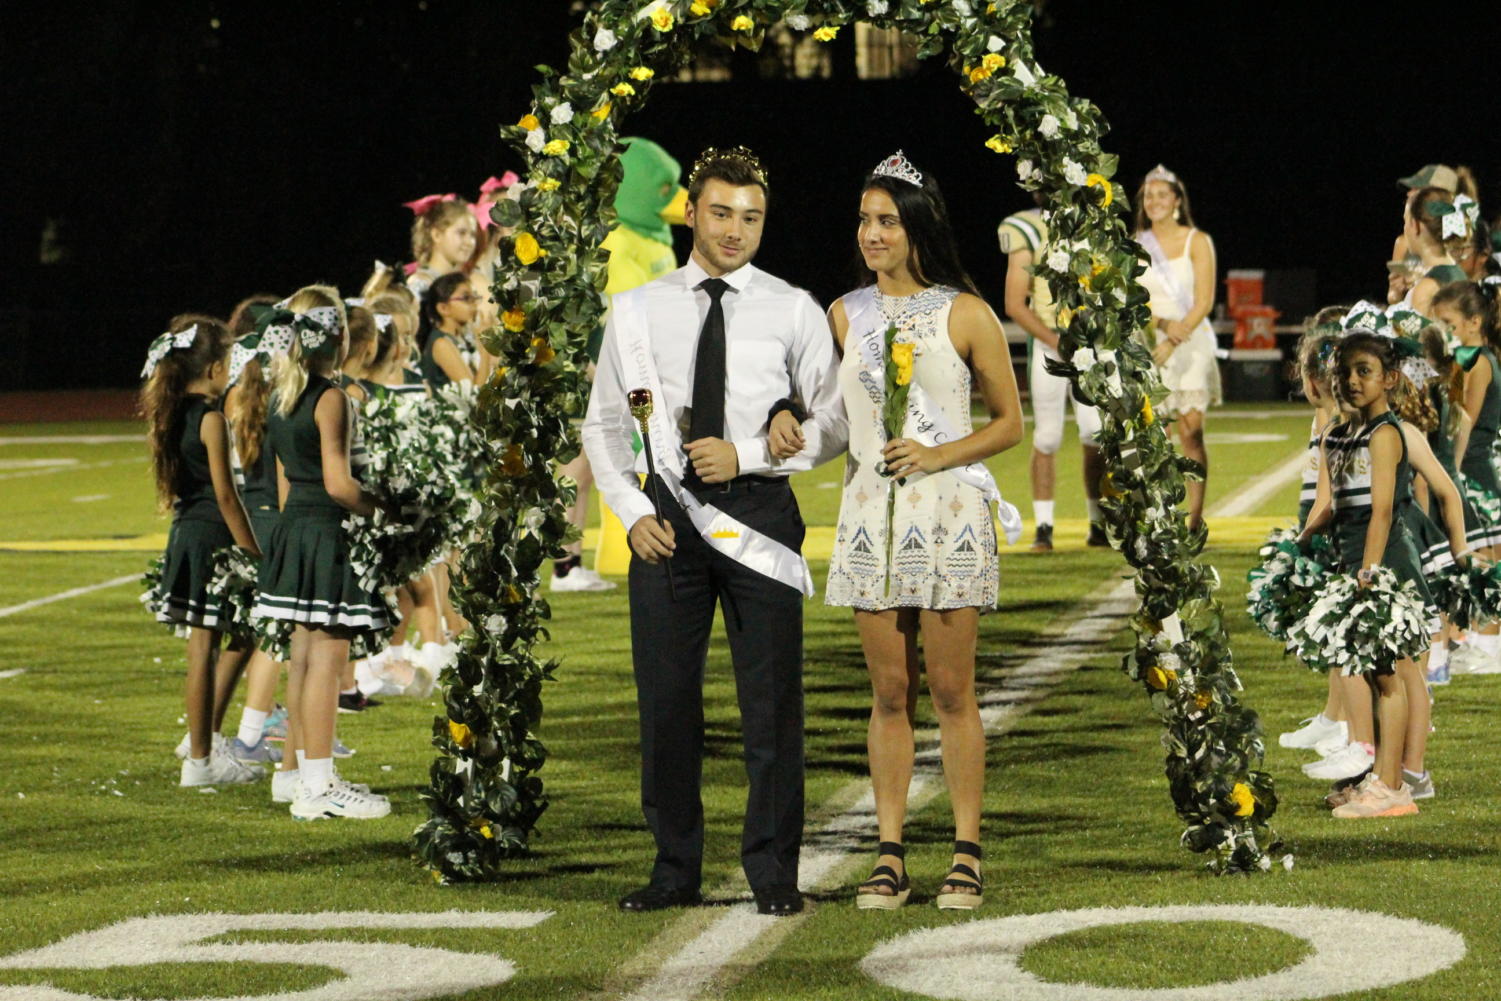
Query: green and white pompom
1288	581
1362	630
233	583
1470	594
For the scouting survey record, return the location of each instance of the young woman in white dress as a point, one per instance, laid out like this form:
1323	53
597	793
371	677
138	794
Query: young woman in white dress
939	568
1180	280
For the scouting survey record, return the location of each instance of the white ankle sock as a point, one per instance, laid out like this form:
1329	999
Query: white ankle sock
1042	512
1410	777
252	724
1094	510
350	691
317	775
301	757
198	762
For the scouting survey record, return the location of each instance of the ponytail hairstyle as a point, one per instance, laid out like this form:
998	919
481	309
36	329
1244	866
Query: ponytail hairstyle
289	372
1321	332
362	332
1427	208
1451	376
246	407
191	346
933	257
438	292
1414	406
383	278
242	319
1465	183
401	306
435	218
1472	299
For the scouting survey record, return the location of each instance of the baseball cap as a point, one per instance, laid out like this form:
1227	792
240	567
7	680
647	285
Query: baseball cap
1434	175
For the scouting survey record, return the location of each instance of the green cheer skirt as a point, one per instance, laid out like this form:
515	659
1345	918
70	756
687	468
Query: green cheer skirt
182	598
306	576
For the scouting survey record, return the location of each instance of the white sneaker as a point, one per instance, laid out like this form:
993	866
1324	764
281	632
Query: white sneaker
1467	659
581	579
1345	763
1422	787
185	746
284	785
1324	748
218	769
340	799
1315	730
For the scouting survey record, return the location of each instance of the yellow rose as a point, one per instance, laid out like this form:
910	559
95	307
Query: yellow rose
556	147
998	145
529	122
662	19
511	595
1108	487
1146	411
1065	317
827	33
602	112
993	61
1160	679
1098	181
643	73
978	73
542	351
623	89
1245	803
901	357
1203	700
699	8
549	184
514	320
742	23
460	733
486	832
527	249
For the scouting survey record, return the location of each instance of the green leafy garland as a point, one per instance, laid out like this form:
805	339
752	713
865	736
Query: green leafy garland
486	797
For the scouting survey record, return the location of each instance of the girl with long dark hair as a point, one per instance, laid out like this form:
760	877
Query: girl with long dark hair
915	551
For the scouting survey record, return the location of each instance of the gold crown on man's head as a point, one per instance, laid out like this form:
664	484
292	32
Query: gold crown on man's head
738	153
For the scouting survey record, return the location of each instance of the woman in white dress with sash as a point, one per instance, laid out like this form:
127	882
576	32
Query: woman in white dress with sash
1180	280
942	568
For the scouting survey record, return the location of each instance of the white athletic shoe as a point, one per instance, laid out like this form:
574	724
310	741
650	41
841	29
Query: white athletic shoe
340	799
1345	763
218	769
185	746
1315	731
1467	659
1422	788
284	785
581	579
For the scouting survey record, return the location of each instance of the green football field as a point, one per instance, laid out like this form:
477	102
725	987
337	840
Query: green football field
115	883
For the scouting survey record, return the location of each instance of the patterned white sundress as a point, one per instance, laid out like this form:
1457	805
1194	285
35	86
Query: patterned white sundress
944	552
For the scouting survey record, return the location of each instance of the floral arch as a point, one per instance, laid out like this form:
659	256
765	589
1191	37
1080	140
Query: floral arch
485	795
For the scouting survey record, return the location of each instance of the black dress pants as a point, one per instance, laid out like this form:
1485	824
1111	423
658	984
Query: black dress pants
669	646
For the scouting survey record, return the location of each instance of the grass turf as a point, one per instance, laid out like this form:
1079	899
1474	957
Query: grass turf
93	829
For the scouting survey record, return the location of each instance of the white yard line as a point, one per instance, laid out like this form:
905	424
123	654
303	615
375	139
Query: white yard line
69	469
65	595
692	970
70	439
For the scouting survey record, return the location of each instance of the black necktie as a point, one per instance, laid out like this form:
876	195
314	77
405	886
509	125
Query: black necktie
708	368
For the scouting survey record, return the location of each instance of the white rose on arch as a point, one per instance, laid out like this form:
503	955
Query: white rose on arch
604	40
1058	260
562	114
1048	127
1073	173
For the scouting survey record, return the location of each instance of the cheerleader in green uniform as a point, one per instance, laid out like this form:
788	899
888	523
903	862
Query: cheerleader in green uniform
1327	732
1366	477
307	578
1468	309
186	371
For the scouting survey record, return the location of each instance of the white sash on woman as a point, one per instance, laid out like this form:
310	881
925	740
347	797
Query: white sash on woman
1182	296
930	426
727	535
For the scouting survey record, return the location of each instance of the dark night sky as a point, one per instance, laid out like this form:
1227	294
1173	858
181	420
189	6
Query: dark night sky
187	165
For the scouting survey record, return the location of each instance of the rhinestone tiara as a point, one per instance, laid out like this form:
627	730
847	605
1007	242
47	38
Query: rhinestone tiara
897	165
1161	173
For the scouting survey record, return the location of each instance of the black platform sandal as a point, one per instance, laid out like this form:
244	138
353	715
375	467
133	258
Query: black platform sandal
884	891
961	875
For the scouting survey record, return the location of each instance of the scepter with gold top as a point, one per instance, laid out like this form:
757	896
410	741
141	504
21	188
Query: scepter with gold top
640	402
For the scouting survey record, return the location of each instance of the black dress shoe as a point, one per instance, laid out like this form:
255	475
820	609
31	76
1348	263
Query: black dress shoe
655	898
779	901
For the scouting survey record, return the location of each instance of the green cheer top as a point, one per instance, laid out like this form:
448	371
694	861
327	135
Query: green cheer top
194	489
1476	463
1347	448
296	441
1446	274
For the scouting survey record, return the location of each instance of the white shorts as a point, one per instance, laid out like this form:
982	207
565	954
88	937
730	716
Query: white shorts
1050	394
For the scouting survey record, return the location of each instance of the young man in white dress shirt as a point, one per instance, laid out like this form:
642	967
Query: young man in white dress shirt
720	343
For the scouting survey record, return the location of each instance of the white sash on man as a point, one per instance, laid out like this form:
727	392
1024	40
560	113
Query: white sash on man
929	424
1182	296
727	535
